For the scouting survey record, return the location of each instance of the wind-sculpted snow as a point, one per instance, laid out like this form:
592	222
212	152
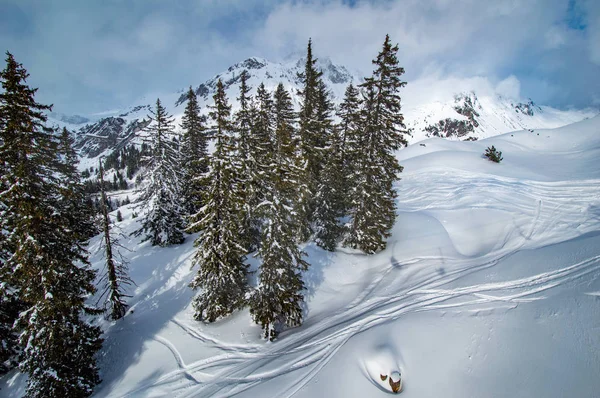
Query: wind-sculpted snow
533	215
482	213
488	288
454	225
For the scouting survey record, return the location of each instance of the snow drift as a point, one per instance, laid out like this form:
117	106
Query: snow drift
488	288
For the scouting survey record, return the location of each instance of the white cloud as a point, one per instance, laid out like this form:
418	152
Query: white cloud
456	39
509	87
468	36
90	57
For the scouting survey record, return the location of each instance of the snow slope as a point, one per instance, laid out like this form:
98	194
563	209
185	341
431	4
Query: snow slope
494	115
489	287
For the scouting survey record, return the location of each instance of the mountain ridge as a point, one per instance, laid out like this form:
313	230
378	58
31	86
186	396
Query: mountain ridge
467	116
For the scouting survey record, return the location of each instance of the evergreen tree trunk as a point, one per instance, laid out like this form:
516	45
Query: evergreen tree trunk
116	271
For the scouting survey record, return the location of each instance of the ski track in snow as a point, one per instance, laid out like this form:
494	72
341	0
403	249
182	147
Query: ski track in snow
244	367
543	213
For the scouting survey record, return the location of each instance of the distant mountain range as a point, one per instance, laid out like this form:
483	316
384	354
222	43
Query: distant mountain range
466	117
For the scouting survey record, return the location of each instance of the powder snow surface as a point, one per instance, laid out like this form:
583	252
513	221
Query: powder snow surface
488	288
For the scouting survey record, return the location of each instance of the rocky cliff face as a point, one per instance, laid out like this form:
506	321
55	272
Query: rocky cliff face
111	133
465	105
528	108
471	117
447	128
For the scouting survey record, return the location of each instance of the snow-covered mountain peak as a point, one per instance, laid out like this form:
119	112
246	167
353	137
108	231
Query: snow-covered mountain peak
467	114
332	72
271	73
249	64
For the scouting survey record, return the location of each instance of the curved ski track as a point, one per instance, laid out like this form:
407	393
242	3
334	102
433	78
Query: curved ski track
553	214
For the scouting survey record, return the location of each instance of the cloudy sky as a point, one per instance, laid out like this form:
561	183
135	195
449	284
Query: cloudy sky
93	55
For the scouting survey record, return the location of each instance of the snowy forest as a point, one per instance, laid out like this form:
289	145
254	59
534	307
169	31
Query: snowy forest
257	182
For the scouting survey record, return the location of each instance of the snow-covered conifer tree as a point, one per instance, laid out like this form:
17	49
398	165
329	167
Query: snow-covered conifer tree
373	204
250	172
47	267
312	141
329	200
194	155
162	223
277	300
77	204
262	138
350	144
220	256
115	276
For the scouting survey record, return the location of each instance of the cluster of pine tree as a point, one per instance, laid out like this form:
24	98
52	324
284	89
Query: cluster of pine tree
118	184
129	160
278	178
45	276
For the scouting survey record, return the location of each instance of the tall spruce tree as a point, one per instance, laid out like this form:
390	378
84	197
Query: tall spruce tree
115	277
312	142
277	300
349	130
373	204
261	150
331	197
222	271
194	155
47	267
243	122
329	203
250	166
340	174
163	222
10	304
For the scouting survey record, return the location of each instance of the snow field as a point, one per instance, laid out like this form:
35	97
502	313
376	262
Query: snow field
463	225
488	288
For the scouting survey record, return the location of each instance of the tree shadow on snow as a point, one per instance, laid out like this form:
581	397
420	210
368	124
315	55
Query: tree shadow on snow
318	259
165	272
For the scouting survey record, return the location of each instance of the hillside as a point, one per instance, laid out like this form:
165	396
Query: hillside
491	274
